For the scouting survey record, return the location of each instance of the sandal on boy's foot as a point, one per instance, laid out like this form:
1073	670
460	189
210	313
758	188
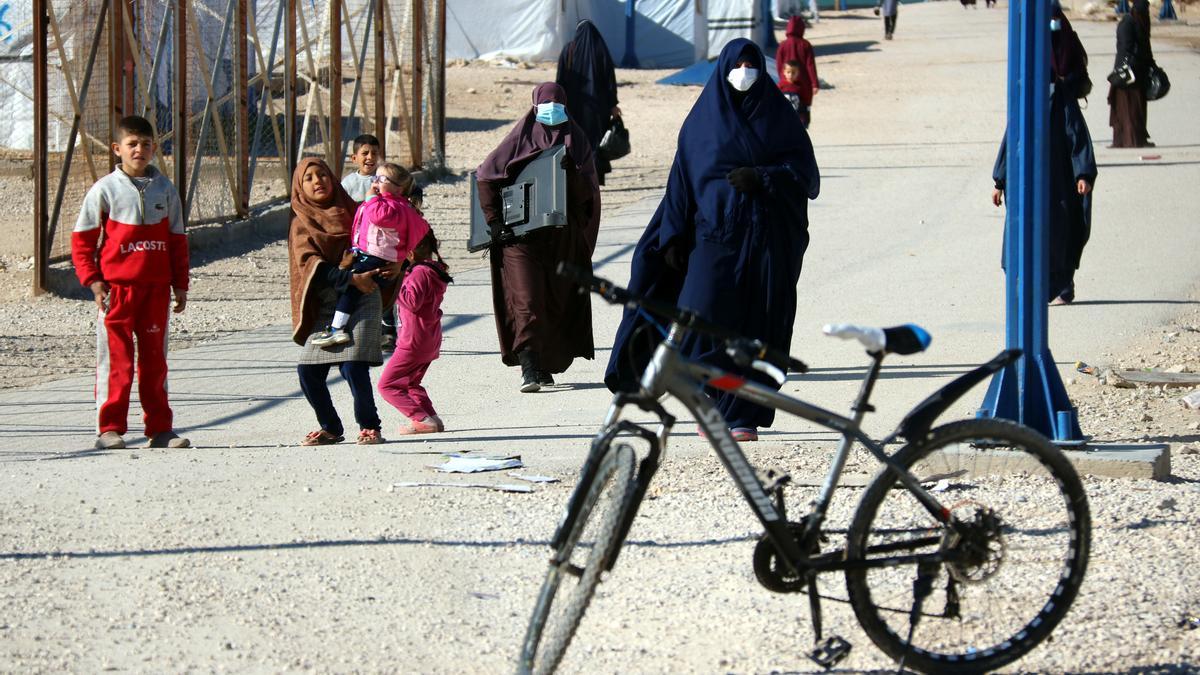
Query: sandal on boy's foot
369	437
743	434
429	425
110	440
321	437
169	439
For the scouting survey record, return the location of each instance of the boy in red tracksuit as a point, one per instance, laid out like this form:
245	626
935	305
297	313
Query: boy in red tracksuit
130	249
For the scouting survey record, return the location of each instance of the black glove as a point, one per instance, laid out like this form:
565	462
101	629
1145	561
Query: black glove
745	179
675	258
498	231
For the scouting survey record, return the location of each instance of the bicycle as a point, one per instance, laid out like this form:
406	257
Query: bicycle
909	560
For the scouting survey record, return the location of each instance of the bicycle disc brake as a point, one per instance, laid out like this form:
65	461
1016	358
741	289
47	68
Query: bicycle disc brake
771	571
977	548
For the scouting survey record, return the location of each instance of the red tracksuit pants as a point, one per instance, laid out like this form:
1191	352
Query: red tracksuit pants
140	311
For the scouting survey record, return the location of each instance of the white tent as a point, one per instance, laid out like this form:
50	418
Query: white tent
666	33
16	77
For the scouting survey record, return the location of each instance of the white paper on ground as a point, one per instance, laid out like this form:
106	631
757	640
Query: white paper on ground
533	478
477	464
500	487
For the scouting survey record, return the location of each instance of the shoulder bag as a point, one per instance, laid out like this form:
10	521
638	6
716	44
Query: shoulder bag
615	143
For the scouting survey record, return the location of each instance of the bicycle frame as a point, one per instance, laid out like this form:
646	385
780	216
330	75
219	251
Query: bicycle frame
669	372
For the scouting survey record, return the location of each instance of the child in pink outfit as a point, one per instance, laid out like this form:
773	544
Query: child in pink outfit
419	338
386	229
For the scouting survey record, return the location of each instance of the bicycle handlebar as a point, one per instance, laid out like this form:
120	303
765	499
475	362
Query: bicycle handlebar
739	346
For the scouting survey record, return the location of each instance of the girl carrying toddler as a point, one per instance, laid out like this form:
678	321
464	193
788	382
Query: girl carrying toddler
418	339
386	229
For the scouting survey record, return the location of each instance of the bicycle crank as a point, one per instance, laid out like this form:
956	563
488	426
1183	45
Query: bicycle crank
770	569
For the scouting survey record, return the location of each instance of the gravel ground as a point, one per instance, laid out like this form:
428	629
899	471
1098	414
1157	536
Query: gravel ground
264	559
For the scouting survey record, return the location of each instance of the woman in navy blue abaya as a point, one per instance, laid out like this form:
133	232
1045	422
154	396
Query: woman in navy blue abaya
729	236
1072	165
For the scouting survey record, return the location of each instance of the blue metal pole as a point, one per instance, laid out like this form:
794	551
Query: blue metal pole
1122	7
629	59
1031	391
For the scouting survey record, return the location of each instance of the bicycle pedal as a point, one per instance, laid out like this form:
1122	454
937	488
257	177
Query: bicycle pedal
773	479
830	652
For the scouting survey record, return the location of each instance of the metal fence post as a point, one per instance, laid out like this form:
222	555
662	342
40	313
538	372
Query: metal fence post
289	88
41	179
241	76
381	119
416	123
333	144
179	96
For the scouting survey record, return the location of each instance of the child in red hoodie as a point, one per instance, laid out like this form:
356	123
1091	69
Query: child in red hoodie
418	339
797	68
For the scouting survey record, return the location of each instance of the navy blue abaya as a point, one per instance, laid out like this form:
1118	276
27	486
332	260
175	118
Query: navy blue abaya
1071	159
733	257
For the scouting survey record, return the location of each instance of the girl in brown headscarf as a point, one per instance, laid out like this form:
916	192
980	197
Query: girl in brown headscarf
322	214
542	322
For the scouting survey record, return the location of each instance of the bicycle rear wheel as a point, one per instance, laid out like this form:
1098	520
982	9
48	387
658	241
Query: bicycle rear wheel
1013	567
577	564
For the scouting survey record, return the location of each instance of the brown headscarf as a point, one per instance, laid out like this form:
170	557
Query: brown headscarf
528	138
319	232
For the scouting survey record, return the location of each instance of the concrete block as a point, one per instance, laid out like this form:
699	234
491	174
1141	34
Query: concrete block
1139	461
237	230
273	222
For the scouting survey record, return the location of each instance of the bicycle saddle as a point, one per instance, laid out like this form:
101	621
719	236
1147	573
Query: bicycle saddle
907	339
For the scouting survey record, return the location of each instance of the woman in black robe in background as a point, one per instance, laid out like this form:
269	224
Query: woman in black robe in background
1127	106
728	238
1072	164
586	73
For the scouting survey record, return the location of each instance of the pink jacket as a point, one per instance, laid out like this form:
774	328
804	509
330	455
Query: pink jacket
387	227
419	313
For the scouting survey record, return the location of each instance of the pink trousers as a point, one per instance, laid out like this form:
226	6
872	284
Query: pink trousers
400	385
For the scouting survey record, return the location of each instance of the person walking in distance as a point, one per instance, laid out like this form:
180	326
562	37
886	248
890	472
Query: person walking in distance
1127	105
890	9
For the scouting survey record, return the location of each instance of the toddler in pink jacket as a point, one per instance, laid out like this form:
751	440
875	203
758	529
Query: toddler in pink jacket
386	229
418	339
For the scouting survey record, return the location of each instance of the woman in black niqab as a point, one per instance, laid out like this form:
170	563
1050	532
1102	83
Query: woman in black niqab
1127	106
730	253
586	73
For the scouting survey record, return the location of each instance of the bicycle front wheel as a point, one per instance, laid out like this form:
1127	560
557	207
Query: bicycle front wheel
578	563
1010	567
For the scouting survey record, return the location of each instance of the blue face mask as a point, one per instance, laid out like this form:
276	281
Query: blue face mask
551	114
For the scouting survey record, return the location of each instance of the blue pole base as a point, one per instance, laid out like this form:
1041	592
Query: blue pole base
1167	13
1034	396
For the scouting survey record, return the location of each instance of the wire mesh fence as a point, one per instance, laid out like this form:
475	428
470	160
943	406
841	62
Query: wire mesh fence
215	80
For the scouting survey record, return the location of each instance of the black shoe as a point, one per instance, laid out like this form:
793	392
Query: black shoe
529	372
544	378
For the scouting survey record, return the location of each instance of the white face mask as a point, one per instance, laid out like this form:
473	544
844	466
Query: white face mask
742	78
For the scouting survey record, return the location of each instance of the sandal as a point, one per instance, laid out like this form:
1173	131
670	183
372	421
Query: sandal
743	434
321	437
369	437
